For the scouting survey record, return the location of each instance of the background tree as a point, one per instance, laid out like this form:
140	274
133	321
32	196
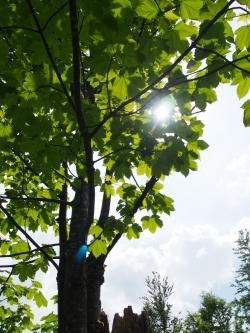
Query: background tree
215	315
158	307
242	279
79	86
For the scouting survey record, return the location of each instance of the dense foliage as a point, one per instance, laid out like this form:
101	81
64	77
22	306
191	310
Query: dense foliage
79	83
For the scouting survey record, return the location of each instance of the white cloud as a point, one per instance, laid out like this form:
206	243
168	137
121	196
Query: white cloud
201	252
237	176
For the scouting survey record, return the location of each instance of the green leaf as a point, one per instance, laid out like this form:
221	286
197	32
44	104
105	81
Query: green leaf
98	248
190	9
95	230
149	223
108	189
246	118
40	299
36	284
243	87
24	271
123	3
147	9
120	87
243	37
171	16
21	246
202	144
185	30
5	247
133	231
5	130
29	83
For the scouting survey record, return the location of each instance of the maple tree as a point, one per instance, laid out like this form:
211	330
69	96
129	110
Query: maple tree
79	85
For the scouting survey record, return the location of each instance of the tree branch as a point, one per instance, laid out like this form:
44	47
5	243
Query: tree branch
204	49
54	14
30	168
107	85
138	203
6	281
145	151
35	199
18	263
106	201
136	183
18	27
12	220
240	8
23	263
28	252
111	153
47	49
167	71
62	219
176	82
50	87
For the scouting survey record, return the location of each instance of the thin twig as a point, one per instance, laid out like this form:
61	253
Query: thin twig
18	27
239	8
48	51
107	84
136	181
34	199
49	86
6	281
138	203
28	252
54	14
204	49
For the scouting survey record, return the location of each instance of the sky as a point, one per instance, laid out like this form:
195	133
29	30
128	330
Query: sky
194	248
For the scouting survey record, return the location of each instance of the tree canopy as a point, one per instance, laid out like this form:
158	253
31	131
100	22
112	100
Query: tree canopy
215	315
79	84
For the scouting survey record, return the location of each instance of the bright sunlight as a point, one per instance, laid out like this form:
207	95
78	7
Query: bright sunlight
163	110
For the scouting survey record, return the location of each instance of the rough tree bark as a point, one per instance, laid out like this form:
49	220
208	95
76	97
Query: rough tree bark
75	295
95	278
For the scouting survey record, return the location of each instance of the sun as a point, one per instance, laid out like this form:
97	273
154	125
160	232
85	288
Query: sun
162	111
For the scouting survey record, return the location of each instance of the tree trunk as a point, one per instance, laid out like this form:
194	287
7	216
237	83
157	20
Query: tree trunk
75	295
95	278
